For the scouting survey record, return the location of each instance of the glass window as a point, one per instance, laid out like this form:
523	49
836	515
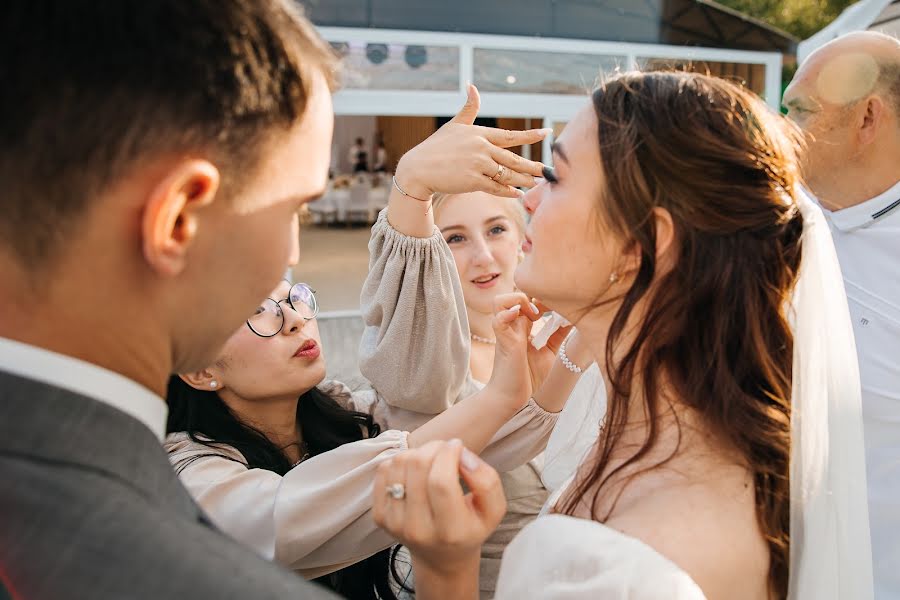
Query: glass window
376	66
752	76
525	71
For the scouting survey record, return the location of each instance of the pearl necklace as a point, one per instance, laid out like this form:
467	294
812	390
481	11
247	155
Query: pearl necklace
478	338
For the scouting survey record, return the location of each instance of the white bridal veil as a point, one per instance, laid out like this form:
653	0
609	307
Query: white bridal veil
831	555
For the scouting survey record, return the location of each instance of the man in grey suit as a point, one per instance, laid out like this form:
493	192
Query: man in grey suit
149	154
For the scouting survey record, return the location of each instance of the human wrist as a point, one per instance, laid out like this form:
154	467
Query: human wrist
457	578
406	176
508	395
576	352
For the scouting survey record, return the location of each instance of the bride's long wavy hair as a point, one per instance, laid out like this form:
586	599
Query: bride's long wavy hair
715	332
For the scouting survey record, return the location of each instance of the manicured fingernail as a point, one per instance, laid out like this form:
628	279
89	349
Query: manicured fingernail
515	309
534	308
547	130
455	442
469	461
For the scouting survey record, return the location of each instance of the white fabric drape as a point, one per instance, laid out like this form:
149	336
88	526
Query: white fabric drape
831	555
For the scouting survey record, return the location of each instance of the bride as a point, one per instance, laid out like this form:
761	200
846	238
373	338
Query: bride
729	464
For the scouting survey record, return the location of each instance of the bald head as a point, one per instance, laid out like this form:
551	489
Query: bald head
846	99
850	68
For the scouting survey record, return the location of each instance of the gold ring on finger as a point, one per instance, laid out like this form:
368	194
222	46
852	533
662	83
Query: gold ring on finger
500	170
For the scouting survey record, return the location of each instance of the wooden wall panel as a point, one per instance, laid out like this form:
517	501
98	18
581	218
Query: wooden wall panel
402	133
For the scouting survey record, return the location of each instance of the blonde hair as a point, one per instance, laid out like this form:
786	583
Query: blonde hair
514	211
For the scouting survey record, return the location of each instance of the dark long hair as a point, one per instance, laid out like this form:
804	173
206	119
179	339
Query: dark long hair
715	328
324	425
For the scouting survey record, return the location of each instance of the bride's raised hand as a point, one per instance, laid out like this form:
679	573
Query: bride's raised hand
441	525
462	157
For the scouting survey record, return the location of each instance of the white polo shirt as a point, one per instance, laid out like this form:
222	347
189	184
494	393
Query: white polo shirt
867	240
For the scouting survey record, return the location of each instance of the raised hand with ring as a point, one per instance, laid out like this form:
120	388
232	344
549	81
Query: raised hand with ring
462	157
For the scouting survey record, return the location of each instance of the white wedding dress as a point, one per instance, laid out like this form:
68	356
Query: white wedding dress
559	557
566	558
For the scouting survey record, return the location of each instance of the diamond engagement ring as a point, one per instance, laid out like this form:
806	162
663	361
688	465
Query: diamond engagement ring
499	173
397	491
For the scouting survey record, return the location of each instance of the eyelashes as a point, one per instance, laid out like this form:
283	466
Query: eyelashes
549	174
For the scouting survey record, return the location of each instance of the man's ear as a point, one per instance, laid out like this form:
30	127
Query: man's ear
204	380
169	220
870	120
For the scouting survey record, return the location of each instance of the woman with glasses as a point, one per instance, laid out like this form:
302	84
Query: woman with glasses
284	462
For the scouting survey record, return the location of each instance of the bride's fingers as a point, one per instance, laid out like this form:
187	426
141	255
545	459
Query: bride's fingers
486	492
419	522
445	493
390	512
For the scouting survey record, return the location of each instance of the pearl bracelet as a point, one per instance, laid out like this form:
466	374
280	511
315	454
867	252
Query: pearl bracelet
565	359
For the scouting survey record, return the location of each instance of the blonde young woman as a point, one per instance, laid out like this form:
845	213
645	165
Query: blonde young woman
485	235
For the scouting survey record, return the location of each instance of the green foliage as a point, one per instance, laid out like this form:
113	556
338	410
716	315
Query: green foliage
802	18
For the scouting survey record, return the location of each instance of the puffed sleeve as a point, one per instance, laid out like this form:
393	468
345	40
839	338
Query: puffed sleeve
520	439
570	559
315	519
415	345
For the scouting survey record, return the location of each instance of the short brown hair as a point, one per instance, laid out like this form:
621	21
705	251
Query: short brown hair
92	87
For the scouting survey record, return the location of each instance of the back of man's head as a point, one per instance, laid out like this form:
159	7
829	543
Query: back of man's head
92	86
121	121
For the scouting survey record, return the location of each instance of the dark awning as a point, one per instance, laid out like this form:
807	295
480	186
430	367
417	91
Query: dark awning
678	22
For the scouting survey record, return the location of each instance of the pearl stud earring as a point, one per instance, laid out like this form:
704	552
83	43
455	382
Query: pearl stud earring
213	384
613	277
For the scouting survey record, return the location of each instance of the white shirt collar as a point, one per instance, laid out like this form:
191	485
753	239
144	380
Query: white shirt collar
86	379
868	212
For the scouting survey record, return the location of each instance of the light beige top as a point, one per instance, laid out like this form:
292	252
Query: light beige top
525	496
317	518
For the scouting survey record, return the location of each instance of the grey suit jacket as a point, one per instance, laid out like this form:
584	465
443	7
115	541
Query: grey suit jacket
91	508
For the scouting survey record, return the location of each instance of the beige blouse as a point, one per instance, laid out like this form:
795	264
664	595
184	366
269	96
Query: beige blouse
317	518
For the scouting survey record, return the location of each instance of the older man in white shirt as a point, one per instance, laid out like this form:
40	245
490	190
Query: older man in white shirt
846	98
